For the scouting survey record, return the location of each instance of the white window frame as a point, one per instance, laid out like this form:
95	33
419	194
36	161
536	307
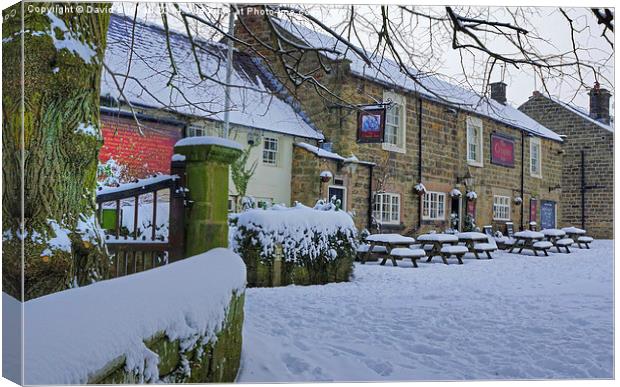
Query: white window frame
401	102
270	151
535	142
502	202
474	122
344	195
430	202
379	201
192	131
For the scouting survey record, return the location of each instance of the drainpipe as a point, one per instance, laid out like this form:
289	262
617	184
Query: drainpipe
522	176
583	190
419	157
370	169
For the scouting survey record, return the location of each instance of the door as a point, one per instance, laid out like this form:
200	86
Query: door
547	214
456	214
340	193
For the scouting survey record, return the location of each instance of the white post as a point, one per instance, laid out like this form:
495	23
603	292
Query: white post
229	64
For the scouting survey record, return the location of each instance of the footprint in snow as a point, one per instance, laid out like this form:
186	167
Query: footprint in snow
382	368
294	364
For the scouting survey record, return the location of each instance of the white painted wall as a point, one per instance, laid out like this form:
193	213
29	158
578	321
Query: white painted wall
269	182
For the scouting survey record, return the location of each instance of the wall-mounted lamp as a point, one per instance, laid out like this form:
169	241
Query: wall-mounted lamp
468	179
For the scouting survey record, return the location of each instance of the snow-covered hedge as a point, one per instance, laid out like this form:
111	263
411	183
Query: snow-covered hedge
318	244
165	324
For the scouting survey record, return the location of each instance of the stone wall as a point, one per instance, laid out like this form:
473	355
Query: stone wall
214	361
597	144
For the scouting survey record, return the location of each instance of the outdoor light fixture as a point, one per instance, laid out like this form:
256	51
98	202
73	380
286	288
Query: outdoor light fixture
468	179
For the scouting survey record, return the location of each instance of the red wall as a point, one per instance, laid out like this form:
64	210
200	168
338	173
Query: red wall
142	154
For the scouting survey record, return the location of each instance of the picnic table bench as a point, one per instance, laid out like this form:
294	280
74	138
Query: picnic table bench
389	242
477	242
531	240
439	242
558	238
578	235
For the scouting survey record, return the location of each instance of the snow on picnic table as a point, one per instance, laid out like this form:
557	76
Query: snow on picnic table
513	317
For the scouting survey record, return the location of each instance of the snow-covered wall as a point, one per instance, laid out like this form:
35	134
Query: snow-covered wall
123	329
318	244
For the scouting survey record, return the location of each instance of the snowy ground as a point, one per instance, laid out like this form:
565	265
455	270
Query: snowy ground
513	317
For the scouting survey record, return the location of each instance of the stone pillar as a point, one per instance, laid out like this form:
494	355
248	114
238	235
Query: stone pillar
207	163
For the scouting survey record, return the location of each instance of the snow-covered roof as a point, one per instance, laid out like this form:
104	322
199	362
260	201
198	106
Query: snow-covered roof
387	71
258	99
580	112
320	152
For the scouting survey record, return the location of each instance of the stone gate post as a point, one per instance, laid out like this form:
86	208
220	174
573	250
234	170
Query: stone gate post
207	163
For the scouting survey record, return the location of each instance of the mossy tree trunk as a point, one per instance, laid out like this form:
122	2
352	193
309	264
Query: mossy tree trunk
52	132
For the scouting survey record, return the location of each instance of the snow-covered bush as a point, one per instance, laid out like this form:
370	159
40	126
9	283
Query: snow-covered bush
111	173
472	195
317	244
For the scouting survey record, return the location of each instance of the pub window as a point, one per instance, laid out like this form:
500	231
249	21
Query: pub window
434	206
501	207
535	157
474	141
270	151
386	208
394	137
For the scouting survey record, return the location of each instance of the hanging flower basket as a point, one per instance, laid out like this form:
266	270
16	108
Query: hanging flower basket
518	200
471	196
420	189
455	193
326	176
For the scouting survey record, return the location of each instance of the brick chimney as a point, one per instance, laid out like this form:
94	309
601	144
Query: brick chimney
599	103
498	92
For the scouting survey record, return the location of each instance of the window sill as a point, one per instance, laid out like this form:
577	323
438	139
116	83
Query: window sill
502	220
392	148
536	176
476	164
434	219
269	164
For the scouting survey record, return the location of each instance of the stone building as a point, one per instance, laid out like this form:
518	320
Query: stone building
454	142
588	160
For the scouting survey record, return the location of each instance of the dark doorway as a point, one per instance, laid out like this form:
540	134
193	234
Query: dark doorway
456	214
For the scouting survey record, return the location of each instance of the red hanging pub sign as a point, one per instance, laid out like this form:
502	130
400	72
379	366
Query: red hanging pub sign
502	150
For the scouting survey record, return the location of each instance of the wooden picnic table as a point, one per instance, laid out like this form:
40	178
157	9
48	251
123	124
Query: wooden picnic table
389	241
437	241
553	234
470	239
524	240
574	233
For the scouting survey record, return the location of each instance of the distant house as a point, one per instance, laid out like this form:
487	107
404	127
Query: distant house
262	114
452	142
588	160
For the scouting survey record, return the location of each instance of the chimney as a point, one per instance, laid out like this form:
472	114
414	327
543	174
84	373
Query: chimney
599	103
498	92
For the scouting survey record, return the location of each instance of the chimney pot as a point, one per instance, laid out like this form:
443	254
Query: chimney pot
599	103
498	92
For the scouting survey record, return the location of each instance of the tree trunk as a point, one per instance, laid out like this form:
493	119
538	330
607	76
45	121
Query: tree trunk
51	139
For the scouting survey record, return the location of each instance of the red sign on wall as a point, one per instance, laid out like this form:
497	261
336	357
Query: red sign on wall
471	208
533	210
502	150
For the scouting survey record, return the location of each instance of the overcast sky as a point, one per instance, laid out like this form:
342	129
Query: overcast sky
547	22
